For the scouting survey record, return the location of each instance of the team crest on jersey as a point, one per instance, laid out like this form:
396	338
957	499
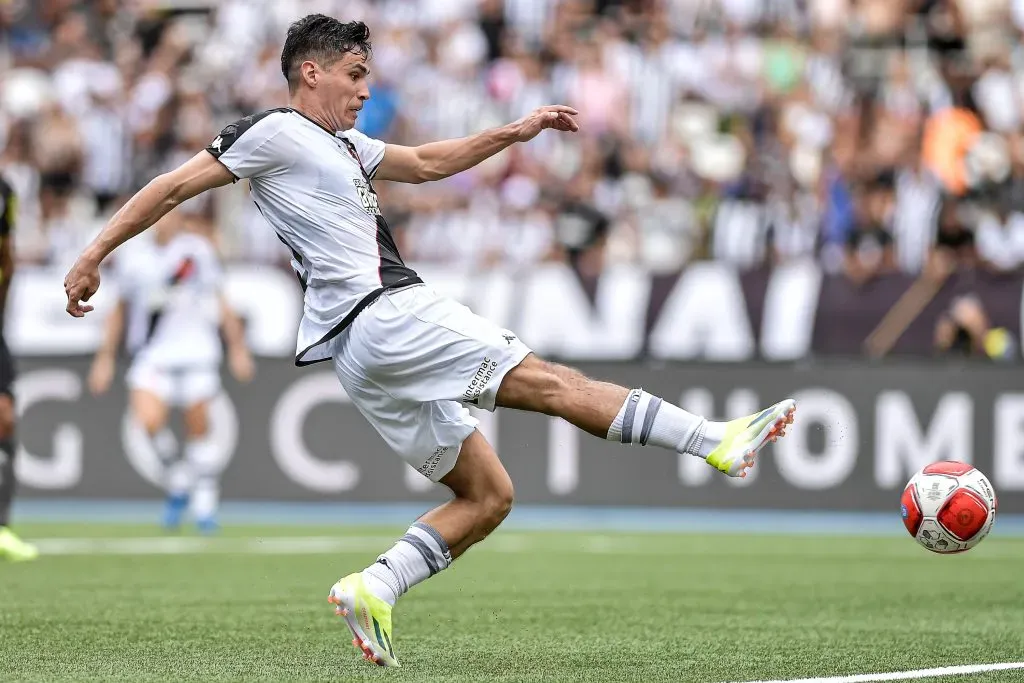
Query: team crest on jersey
367	196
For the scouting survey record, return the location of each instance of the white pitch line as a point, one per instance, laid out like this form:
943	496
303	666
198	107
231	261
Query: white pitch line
908	675
300	545
296	545
588	544
310	545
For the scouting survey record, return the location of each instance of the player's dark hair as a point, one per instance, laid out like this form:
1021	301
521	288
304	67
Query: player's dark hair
322	39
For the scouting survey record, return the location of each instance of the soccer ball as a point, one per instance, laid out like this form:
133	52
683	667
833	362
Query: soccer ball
949	507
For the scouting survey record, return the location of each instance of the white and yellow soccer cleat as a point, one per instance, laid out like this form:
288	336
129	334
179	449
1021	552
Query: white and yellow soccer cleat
367	616
748	435
15	549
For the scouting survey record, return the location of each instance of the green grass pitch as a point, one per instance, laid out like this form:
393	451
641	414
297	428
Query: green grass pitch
560	607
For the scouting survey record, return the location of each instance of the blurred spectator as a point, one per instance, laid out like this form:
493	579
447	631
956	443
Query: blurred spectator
869	248
107	143
966	330
751	131
58	154
581	229
669	233
917	201
963	329
955	246
948	136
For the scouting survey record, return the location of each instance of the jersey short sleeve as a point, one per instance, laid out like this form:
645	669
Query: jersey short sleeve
253	146
8	208
369	150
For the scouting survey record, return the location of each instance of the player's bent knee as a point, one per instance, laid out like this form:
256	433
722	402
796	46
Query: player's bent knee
480	479
197	422
498	502
6	417
499	510
150	422
149	411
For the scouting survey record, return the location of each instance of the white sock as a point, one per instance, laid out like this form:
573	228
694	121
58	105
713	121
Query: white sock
179	478
200	455
714	432
177	472
648	420
417	556
165	444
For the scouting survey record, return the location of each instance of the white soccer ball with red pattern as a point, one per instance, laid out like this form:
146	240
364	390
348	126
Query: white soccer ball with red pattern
949	507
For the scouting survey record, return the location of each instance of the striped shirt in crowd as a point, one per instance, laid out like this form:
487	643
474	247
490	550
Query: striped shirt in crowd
915	218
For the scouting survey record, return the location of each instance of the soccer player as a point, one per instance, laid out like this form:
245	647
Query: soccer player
410	359
11	547
173	310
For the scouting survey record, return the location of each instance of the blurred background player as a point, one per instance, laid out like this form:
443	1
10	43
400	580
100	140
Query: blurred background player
11	547
171	312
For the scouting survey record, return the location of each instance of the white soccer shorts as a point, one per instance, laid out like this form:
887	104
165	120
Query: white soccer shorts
411	363
176	387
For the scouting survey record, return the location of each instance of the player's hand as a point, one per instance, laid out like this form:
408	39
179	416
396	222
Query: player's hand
242	367
556	116
101	375
80	284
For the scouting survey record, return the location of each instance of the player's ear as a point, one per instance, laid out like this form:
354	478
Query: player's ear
310	73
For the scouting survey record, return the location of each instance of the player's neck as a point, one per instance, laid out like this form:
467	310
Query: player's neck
314	113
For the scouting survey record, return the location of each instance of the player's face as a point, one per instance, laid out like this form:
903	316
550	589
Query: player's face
347	87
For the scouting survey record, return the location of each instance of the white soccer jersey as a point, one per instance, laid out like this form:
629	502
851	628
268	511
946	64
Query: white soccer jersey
172	294
314	188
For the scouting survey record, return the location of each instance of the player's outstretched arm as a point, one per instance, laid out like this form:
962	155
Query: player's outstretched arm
437	160
200	173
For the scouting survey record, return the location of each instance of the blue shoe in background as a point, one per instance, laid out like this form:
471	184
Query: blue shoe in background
174	510
207	526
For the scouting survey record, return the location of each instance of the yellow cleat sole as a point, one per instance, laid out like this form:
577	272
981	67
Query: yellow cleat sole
359	641
777	431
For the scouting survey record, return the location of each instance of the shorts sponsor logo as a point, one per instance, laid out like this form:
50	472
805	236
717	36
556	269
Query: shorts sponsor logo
480	380
427	468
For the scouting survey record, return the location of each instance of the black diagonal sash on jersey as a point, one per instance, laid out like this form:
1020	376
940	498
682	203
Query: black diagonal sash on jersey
185	269
304	276
392	269
393	272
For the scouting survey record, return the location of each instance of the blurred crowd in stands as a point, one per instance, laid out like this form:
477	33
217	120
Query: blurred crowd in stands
873	135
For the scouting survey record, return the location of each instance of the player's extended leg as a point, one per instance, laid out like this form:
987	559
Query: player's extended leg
201	459
11	547
150	412
407	364
483	498
616	413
